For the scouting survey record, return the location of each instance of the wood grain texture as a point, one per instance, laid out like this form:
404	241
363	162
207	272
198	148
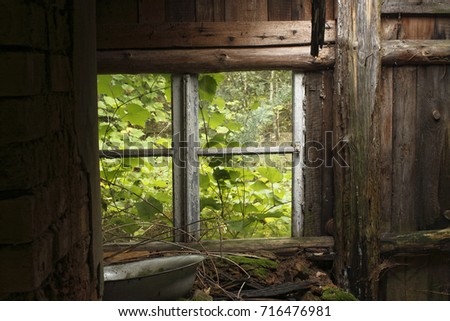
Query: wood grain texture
417	242
208	34
442	28
390	28
280	10
329	141
404	175
204	10
357	83
444	177
416	52
417	28
302	10
314	155
246	10
433	122
387	109
276	245
210	10
415	7
212	60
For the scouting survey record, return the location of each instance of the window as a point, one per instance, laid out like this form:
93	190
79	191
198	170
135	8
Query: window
189	157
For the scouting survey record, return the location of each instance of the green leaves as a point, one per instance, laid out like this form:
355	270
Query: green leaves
136	115
240	196
149	208
207	87
216	119
272	174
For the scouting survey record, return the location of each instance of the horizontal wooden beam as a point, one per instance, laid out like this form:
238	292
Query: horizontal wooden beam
213	60
418	242
208	35
275	245
416	52
415	7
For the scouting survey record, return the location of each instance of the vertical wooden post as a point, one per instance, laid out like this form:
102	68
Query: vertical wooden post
357	79
298	138
186	206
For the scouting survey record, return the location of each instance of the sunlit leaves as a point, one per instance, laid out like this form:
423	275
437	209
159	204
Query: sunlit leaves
272	174
241	196
136	115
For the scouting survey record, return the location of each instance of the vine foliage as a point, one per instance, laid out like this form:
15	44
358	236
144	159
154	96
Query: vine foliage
240	196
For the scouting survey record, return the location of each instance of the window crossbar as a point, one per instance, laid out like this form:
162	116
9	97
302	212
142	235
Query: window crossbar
168	152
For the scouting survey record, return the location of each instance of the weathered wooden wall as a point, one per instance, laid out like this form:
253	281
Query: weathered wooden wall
220	35
390	110
415	151
320	140
160	11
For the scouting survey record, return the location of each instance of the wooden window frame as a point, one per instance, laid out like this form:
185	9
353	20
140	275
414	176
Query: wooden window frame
185	152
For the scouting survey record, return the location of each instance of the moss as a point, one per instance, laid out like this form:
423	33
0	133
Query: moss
257	267
337	294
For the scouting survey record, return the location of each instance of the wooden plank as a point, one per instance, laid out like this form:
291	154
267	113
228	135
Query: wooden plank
219	10
152	11
186	201
298	139
314	156
117	12
204	10
416	52
390	28
330	10
442	28
433	117
415	7
208	34
419	277
404	174
357	80
280	10
416	278
444	178
180	10
386	103
329	141
211	60
278	245
302	10
412	28
246	10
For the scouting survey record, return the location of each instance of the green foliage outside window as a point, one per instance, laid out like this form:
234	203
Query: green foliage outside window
241	196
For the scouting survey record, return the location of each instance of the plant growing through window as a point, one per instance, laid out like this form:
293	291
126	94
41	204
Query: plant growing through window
200	156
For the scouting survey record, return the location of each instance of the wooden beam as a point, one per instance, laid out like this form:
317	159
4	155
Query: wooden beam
275	245
357	189
418	242
208	34
415	7
416	52
212	60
